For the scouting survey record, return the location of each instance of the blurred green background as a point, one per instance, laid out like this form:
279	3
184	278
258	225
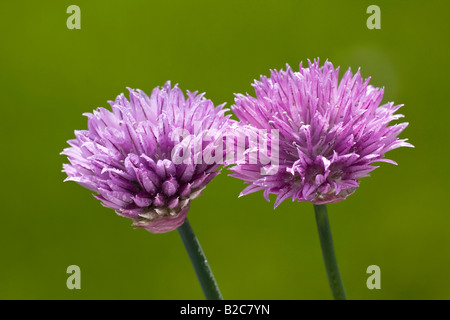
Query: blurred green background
50	75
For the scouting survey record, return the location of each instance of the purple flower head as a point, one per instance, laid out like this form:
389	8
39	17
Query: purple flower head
330	132
133	156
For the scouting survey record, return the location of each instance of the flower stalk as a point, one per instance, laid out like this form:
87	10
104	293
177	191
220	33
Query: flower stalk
198	259
329	257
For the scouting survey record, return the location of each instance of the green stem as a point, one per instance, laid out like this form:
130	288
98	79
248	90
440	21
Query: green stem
199	262
326	242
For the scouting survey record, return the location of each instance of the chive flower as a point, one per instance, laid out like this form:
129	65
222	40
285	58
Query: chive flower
331	132
148	157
